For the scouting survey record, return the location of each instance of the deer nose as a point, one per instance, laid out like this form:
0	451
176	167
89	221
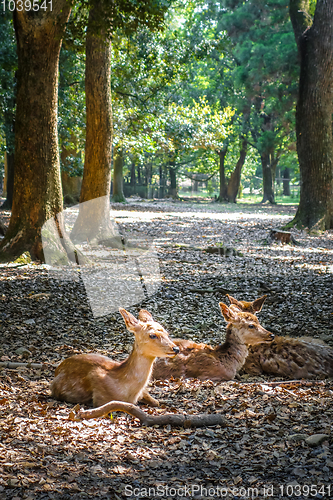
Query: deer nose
175	350
272	336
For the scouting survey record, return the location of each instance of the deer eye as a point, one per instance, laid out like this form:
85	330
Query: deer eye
251	326
153	336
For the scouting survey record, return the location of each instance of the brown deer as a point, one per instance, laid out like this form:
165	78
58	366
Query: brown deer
86	378
251	307
295	358
222	362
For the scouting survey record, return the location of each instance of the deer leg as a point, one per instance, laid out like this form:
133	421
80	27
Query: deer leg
147	399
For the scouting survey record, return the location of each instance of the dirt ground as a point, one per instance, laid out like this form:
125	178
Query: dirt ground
277	441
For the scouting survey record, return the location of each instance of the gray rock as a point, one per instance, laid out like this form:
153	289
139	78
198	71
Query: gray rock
22	351
316	439
29	321
297	437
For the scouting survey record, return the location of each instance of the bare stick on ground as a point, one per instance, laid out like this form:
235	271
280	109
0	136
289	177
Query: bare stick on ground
175	420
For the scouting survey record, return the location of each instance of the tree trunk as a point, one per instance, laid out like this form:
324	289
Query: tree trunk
234	181
173	180
314	114
37	185
133	176
162	182
223	185
286	182
118	177
267	178
139	174
148	172
93	222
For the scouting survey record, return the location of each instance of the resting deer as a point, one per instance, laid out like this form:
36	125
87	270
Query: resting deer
251	307
295	358
86	378
222	362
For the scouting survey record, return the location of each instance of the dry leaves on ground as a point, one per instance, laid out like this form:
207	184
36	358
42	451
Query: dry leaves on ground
277	436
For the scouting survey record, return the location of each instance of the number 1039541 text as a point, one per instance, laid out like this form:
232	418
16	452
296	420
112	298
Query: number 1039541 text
26	5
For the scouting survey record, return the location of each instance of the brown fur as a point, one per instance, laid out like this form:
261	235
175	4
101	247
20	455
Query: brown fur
294	358
219	363
94	378
251	307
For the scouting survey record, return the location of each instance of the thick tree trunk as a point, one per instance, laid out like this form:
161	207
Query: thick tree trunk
234	181
267	178
37	186
118	177
93	222
286	182
223	185
314	114
173	180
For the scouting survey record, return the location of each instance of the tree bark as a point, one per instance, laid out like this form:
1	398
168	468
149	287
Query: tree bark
139	173
118	178
223	185
267	178
314	113
234	181
37	185
133	176
93	222
286	182
162	182
173	179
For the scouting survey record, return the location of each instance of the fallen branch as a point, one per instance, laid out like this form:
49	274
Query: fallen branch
288	382
175	420
12	364
300	382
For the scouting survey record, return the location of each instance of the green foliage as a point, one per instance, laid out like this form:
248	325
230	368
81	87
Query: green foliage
71	114
126	15
8	67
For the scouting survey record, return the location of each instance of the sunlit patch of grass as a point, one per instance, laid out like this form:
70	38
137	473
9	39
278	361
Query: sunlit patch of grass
246	197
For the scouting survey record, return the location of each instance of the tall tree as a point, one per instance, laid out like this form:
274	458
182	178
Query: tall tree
314	113
37	186
235	177
93	221
118	162
264	73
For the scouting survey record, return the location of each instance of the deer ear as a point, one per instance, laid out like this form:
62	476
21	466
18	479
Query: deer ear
234	301
258	303
228	314
130	321
145	316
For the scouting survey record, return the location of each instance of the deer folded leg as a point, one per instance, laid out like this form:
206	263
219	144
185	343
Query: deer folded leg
147	399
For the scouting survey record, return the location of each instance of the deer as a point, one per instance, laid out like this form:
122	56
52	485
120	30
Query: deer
295	358
251	307
93	378
204	362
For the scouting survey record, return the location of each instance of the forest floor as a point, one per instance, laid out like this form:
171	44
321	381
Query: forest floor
262	452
